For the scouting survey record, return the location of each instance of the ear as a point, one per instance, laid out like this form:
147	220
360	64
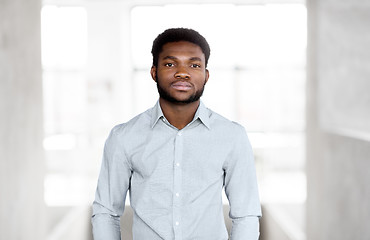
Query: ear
207	76
153	73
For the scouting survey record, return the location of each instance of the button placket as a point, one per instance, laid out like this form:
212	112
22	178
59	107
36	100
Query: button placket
177	185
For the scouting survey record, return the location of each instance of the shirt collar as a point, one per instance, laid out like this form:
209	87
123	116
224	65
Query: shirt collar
201	113
156	114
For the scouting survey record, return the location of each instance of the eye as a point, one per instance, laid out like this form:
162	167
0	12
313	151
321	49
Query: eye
168	64
195	65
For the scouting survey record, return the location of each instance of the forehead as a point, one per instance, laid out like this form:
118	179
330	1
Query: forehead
182	48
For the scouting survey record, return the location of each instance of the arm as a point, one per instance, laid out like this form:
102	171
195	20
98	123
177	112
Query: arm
242	191
113	183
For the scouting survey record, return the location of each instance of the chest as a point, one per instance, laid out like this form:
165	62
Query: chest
199	152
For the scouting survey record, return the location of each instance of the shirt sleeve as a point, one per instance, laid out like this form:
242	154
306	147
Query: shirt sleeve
110	196
242	191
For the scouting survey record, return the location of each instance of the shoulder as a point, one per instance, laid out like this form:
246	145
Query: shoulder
220	122
138	123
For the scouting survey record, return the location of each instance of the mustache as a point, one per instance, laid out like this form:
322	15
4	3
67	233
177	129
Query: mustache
168	97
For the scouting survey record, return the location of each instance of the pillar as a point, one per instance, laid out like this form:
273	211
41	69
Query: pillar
21	129
338	120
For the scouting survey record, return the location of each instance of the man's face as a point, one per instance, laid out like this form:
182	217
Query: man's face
181	73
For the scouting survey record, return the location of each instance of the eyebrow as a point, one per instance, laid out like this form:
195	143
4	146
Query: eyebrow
196	59
170	57
175	58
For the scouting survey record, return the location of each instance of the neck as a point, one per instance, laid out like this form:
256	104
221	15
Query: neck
179	115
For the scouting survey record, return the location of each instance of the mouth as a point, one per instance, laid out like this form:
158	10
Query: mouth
181	86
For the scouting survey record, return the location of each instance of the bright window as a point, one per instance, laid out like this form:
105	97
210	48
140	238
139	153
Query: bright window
257	68
64	57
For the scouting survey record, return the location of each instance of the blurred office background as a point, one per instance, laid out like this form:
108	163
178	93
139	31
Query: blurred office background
296	74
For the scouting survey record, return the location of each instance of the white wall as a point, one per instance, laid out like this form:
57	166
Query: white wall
21	154
338	120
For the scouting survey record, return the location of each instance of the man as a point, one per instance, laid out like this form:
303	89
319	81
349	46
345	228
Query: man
176	157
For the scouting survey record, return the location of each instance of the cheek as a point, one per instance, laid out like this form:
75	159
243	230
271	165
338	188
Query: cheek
166	76
164	73
162	79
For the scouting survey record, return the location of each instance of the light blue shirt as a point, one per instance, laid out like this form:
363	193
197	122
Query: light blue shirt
175	179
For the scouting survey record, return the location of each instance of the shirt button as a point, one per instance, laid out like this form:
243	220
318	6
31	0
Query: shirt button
177	223
177	194
177	164
180	133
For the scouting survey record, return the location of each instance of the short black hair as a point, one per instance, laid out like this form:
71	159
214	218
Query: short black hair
177	35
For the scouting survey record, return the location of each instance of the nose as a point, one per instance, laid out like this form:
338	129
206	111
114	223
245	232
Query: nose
182	73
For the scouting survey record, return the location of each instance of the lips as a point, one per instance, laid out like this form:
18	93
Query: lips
181	86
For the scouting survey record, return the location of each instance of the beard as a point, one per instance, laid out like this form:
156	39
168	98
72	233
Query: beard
168	97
